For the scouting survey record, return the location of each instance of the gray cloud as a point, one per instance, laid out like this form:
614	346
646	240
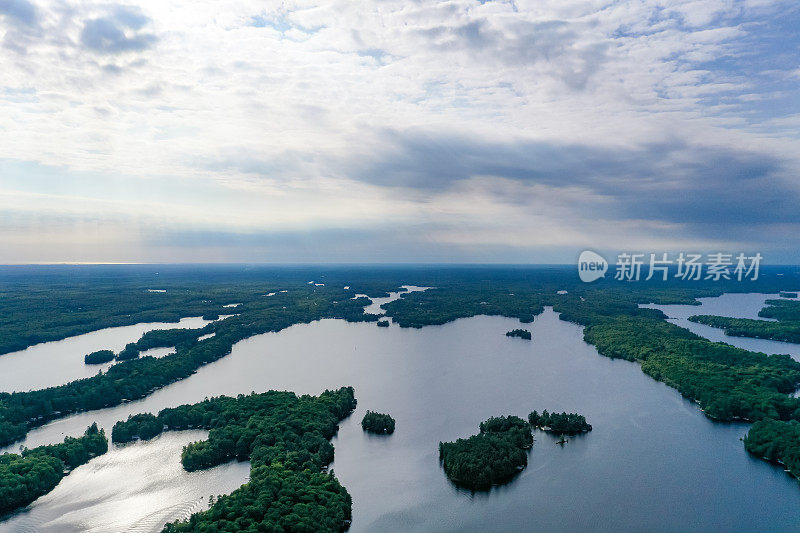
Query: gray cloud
107	34
521	43
668	181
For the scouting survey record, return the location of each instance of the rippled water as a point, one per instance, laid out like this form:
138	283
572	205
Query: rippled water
136	488
653	461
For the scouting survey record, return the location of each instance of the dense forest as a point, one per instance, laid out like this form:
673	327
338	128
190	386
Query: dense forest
727	383
747	327
776	441
35	472
285	438
781	310
99	357
377	423
180	338
521	333
491	457
559	422
134	379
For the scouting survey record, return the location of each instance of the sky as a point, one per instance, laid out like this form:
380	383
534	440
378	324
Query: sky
397	131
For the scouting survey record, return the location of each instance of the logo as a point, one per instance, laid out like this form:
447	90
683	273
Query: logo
591	266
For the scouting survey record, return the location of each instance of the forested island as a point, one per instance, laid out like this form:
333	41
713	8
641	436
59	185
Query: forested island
35	472
383	323
559	422
136	378
491	457
787	294
747	327
286	439
728	383
99	357
379	423
521	333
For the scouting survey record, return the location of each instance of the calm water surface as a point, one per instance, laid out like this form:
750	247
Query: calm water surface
58	362
745	305
652	463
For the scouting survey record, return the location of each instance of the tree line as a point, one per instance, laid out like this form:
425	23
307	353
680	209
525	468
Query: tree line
285	437
35	472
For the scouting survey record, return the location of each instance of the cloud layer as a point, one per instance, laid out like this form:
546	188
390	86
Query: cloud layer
392	130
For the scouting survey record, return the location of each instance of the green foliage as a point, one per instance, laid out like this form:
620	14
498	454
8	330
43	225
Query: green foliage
130	380
776	441
99	357
377	423
491	457
142	426
521	333
285	437
746	327
27	476
383	323
442	305
559	422
163	338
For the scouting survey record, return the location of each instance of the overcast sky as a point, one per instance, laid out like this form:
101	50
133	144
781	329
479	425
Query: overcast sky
394	131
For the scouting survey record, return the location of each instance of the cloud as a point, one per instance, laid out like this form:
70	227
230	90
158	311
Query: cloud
117	32
494	129
21	11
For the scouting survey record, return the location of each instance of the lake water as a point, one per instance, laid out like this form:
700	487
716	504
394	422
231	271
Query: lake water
58	362
746	305
653	462
135	488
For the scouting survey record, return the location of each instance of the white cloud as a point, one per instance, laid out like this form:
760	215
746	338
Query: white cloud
244	109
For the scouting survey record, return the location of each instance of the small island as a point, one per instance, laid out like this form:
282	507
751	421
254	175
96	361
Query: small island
787	294
379	423
569	423
521	333
383	323
491	457
99	357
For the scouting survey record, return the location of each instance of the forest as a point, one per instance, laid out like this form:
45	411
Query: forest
99	357
521	333
180	338
134	379
491	457
776	441
747	327
32	473
727	382
285	437
559	422
379	423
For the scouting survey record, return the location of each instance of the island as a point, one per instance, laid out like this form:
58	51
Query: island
383	323
285	437
377	423
521	333
492	457
35	472
99	357
787	294
782	330
570	423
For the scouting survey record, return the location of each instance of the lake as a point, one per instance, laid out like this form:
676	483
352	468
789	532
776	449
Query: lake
653	461
59	362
